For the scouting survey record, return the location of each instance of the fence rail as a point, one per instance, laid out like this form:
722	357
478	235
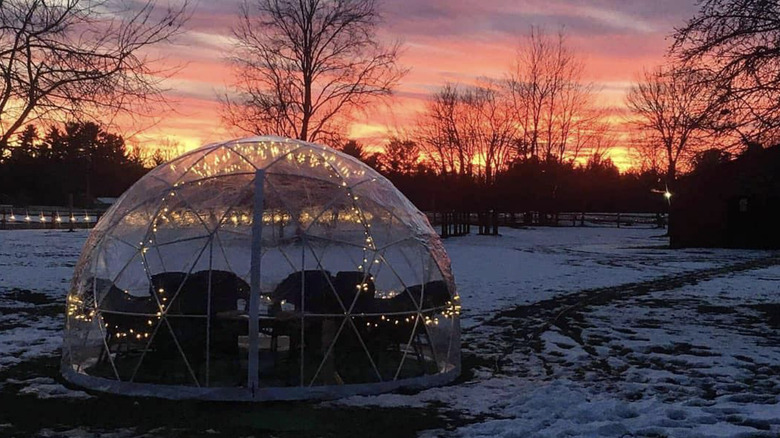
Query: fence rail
457	223
47	217
450	223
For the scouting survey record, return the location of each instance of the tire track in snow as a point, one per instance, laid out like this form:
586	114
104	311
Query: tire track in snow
522	326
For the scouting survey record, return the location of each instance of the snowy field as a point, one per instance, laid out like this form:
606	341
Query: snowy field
568	332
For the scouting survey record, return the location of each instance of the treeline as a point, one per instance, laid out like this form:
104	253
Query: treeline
526	184
536	140
78	159
83	160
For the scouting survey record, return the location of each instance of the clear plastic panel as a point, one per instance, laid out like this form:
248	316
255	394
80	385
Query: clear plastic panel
266	153
381	192
220	161
141	197
308	163
135	226
180	166
304	199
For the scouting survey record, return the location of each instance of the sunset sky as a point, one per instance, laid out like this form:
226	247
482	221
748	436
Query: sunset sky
445	40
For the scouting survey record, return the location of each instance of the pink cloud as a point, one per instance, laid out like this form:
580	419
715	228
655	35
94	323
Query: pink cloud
445	41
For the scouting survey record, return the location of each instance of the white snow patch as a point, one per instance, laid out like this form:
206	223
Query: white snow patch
46	388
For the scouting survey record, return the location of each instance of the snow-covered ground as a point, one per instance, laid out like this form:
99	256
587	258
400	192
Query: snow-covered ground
575	332
35	271
526	266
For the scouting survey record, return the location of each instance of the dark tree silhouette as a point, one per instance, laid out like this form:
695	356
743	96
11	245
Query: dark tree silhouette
81	159
400	157
304	66
27	147
709	160
355	149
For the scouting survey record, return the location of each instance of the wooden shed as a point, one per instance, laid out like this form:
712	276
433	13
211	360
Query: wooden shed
733	205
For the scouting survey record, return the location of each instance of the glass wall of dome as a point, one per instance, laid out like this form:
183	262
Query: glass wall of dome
258	269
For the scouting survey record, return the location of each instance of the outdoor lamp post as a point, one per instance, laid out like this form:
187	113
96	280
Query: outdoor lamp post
668	197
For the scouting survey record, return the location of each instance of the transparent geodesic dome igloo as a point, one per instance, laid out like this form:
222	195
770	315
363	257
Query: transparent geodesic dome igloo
258	269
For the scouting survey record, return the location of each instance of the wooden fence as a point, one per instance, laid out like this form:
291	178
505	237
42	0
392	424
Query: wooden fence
36	217
457	223
448	224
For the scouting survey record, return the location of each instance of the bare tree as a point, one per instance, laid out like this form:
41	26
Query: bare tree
551	101
489	127
738	42
79	59
469	131
305	65
442	142
678	111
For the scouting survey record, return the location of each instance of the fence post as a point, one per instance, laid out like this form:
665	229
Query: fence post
2	223
70	212
455	225
618	220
